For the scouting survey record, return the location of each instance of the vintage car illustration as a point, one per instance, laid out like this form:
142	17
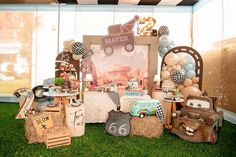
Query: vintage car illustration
198	121
141	108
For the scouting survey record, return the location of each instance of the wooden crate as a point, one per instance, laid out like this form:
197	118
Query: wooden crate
56	137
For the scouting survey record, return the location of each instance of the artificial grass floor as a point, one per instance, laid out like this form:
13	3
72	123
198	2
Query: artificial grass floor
96	142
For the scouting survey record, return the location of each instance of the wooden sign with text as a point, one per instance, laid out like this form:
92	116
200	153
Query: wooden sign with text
42	122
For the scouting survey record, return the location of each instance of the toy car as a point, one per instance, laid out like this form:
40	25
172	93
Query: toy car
141	108
198	121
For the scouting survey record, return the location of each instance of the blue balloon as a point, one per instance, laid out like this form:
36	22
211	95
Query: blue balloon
194	64
188	67
163	51
170	47
189	59
190	74
172	43
160	48
164	41
161	54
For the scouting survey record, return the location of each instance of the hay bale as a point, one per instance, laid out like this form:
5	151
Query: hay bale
30	131
59	120
149	126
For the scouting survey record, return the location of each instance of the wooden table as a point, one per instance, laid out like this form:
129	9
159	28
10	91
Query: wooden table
171	108
61	98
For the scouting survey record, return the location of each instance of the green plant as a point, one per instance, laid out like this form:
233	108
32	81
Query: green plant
59	81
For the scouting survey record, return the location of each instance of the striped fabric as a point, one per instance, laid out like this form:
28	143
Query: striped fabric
138	2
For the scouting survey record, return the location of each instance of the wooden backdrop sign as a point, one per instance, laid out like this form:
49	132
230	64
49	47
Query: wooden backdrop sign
42	122
119	67
119	35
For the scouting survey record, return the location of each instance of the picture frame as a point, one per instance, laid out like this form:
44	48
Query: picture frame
152	57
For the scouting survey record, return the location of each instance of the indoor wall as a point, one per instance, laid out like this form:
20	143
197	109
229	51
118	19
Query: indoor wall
215	38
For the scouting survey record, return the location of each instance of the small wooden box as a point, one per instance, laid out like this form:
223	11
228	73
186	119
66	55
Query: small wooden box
56	137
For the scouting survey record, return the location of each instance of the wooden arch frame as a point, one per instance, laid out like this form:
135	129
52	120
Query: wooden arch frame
196	56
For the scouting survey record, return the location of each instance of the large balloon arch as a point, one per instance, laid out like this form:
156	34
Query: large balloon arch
182	68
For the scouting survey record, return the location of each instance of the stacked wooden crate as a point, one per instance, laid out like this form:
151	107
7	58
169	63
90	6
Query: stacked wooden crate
57	136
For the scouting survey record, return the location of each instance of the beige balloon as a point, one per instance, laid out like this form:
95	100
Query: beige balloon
174	67
195	79
195	85
188	82
164	68
171	59
169	68
76	57
178	67
165	75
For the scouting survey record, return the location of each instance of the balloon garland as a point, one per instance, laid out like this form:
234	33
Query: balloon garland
165	44
179	72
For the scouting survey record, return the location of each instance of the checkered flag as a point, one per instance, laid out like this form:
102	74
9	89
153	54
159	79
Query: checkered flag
159	112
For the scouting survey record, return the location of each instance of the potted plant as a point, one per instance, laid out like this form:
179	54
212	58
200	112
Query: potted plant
58	81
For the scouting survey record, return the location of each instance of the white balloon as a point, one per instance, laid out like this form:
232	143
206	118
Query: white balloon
76	57
190	74
168	83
